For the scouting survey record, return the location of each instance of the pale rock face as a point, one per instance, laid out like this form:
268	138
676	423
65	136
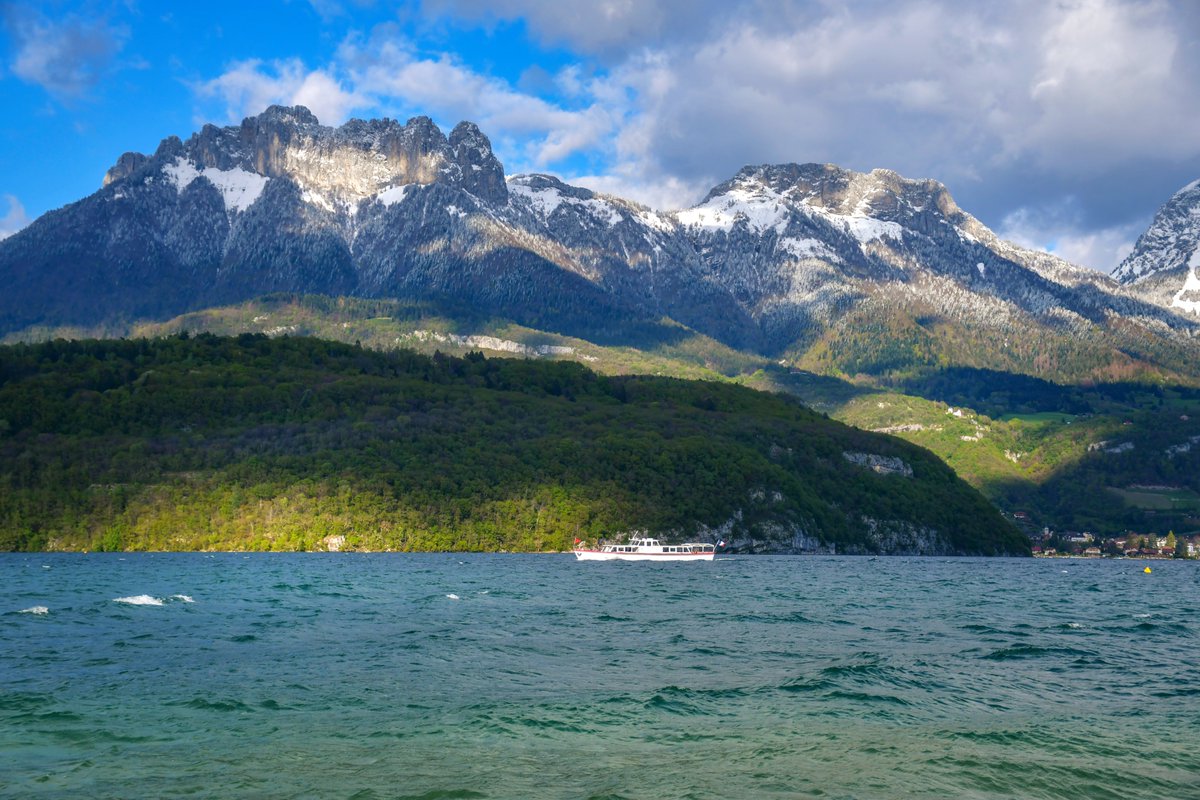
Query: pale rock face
354	174
126	165
337	169
883	465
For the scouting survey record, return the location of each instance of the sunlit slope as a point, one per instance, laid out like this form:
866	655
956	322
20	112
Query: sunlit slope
297	443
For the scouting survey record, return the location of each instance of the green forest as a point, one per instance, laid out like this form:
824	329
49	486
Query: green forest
247	442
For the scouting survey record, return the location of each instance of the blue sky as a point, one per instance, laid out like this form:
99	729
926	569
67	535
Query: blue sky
1062	125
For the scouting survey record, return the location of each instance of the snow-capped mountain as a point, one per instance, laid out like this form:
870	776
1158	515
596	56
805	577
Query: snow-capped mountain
788	260
803	244
1165	261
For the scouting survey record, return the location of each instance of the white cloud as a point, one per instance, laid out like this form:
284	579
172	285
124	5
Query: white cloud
1112	83
1077	97
666	194
67	57
248	87
386	68
909	87
1059	230
604	27
15	219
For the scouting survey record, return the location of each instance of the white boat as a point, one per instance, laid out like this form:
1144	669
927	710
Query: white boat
643	548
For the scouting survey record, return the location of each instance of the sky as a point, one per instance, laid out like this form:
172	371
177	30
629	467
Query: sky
1061	124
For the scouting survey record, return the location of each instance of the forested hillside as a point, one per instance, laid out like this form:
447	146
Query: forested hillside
248	442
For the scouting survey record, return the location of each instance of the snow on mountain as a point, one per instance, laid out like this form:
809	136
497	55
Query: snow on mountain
758	207
545	194
393	195
1190	288
1162	266
239	188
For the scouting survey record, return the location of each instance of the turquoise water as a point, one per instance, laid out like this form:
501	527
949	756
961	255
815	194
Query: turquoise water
509	676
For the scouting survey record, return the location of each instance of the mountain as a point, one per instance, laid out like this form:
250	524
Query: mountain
873	272
818	266
1164	262
249	442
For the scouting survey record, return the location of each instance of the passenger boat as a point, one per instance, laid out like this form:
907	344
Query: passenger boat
643	548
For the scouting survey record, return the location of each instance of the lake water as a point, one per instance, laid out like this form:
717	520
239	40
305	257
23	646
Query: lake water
525	676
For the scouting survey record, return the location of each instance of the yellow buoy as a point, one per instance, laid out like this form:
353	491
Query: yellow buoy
1147	570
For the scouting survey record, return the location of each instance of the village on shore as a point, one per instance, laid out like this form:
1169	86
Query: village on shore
1074	544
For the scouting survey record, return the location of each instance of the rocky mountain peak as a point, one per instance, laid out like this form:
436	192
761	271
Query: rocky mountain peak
881	193
773	195
332	167
1170	241
126	165
1164	266
284	115
482	173
541	182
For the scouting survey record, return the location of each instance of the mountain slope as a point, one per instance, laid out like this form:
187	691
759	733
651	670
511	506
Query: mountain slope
1063	455
815	250
255	443
819	266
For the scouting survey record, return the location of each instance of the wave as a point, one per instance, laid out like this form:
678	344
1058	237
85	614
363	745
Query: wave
992	630
805	684
150	600
1162	627
869	697
1178	691
139	600
204	704
25	702
39	610
793	617
1023	651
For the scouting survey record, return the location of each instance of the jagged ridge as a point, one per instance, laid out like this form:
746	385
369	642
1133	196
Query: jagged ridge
778	260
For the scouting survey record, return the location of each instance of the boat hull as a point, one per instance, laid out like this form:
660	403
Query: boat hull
598	555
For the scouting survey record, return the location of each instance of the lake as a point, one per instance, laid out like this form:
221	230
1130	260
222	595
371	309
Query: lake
533	676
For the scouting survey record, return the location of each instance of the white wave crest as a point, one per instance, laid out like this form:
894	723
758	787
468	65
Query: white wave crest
35	610
452	596
183	598
139	600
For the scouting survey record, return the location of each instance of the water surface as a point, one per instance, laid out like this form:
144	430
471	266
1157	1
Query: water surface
508	676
